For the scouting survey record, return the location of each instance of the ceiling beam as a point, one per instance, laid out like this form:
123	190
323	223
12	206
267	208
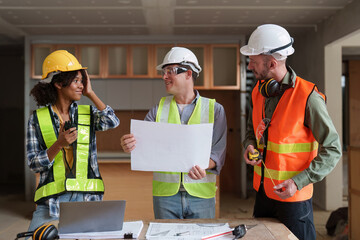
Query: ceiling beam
83	8
10	31
172	4
262	7
159	16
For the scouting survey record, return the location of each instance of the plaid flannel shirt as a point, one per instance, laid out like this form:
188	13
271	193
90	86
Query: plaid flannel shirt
37	158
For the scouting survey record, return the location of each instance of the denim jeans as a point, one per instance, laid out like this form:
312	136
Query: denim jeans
182	206
41	214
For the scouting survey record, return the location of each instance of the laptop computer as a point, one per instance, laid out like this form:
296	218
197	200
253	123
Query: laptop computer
87	217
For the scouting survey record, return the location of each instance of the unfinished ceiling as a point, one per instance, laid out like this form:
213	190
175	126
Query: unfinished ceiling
158	17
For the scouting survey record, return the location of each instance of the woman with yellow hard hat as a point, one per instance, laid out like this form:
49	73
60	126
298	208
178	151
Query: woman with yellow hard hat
61	142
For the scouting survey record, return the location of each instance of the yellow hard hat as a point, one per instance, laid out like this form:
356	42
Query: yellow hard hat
60	60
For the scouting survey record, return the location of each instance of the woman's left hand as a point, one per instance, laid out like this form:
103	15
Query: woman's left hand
87	85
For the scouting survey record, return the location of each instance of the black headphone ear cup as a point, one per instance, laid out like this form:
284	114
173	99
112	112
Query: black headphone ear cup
45	232
262	88
269	88
50	233
273	88
38	232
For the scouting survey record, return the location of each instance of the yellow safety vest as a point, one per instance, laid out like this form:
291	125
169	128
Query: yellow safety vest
168	183
58	182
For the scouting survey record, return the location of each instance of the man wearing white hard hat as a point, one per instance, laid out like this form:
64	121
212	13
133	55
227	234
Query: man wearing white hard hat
185	195
289	125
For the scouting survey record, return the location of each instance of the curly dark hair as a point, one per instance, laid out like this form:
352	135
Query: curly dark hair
45	93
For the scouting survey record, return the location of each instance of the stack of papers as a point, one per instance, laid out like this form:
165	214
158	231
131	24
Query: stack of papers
186	231
133	228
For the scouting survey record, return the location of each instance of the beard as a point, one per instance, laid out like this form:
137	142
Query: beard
261	75
264	74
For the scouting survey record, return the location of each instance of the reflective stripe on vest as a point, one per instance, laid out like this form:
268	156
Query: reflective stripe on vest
290	148
61	183
291	145
168	183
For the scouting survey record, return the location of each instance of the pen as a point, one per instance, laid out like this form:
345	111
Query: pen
182	233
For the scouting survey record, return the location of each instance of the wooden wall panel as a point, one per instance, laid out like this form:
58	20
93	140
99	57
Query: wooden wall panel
354	169
133	186
230	174
109	141
354	192
355	217
354	149
354	103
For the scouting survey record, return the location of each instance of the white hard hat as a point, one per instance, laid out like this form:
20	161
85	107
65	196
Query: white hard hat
269	39
182	56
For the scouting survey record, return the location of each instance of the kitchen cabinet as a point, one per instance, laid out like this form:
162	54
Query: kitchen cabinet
225	65
117	59
219	62
201	53
39	53
140	61
90	57
160	52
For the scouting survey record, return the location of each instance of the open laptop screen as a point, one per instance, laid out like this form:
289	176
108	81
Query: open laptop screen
97	216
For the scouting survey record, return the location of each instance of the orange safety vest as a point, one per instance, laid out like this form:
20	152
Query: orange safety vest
290	146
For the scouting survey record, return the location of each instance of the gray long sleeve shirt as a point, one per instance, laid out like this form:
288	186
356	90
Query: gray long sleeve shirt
218	148
319	121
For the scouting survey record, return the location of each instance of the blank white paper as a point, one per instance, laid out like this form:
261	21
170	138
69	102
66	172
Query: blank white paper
170	147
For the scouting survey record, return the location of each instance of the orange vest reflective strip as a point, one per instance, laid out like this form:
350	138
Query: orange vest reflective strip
291	145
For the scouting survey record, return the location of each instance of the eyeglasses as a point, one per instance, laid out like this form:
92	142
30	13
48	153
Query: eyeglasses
173	70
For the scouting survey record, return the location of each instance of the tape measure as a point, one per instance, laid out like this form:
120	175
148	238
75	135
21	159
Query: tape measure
255	156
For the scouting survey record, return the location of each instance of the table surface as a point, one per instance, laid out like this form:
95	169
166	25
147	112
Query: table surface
265	229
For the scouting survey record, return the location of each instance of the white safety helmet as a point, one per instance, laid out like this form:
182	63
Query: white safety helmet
182	56
269	39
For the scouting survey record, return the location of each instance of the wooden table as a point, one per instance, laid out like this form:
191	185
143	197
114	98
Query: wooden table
266	228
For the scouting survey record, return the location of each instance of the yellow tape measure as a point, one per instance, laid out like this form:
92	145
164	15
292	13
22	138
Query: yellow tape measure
257	156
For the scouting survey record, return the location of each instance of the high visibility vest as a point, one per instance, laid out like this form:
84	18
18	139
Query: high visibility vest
58	182
291	145
168	183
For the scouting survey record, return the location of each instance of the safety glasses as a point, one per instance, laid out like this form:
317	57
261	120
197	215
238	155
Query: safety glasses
173	70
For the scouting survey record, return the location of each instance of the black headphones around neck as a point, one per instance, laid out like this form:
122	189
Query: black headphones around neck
44	232
269	87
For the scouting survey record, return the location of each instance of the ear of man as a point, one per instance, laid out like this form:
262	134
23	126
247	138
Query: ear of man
189	74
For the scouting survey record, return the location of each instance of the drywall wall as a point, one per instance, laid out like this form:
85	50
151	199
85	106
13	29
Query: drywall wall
313	63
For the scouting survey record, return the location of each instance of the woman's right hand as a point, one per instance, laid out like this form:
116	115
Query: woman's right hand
67	137
128	142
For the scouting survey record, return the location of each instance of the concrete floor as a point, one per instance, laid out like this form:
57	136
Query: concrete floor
15	214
